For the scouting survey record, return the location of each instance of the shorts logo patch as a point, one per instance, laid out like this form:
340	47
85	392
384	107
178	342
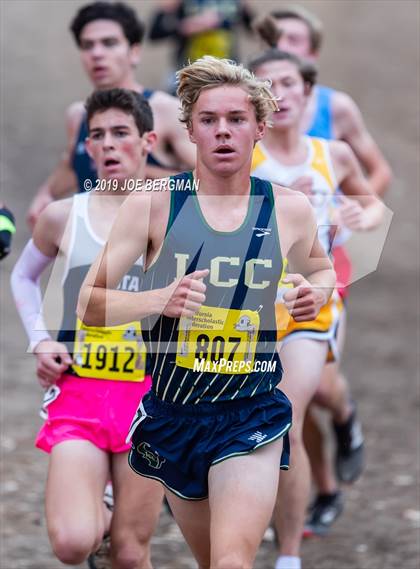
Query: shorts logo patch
257	437
152	456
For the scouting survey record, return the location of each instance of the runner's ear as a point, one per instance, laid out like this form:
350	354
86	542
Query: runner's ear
260	130
307	89
150	141
190	132
135	54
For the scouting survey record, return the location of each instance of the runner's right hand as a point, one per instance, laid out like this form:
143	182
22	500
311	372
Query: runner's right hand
186	295
52	359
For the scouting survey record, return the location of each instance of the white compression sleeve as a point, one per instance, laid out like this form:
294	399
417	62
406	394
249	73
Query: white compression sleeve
25	283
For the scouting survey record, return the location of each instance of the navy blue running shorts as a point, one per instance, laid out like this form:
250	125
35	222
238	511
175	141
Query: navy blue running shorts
177	444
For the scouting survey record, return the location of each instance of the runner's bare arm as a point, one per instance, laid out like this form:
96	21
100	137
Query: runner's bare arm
50	227
176	133
100	304
350	127
62	180
369	212
311	270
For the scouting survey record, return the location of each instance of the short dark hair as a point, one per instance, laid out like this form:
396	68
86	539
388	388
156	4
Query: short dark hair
124	15
129	102
307	70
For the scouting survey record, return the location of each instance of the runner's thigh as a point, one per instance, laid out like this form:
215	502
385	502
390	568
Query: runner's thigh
137	503
303	360
242	493
193	518
77	474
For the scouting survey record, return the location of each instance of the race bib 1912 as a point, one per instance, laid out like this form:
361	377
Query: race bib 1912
113	352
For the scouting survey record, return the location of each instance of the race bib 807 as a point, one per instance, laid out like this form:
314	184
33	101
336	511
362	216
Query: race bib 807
226	336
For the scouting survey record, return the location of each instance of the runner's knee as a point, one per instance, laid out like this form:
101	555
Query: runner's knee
296	436
131	550
330	394
323	396
131	556
73	546
231	560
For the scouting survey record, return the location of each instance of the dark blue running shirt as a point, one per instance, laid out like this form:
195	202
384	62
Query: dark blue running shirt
228	350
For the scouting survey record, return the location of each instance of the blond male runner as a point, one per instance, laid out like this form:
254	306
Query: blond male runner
94	377
211	430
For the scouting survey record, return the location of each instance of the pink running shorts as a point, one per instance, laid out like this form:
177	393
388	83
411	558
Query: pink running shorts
95	410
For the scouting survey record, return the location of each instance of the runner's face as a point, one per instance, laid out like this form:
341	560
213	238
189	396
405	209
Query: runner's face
106	55
225	129
295	38
288	87
116	146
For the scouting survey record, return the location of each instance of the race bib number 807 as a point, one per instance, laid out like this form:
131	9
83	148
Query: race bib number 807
218	335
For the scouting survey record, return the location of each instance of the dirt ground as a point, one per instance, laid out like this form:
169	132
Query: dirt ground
372	52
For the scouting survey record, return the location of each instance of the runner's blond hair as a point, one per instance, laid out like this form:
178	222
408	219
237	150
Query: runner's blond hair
209	72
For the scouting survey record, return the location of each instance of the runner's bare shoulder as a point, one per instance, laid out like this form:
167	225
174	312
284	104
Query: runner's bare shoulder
341	152
292	207
52	225
164	104
74	116
295	218
347	117
343	159
160	204
57	212
150	198
290	202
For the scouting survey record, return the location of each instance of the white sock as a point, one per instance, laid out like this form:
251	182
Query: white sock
288	562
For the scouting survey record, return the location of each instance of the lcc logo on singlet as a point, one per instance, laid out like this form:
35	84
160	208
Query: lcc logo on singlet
220	265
